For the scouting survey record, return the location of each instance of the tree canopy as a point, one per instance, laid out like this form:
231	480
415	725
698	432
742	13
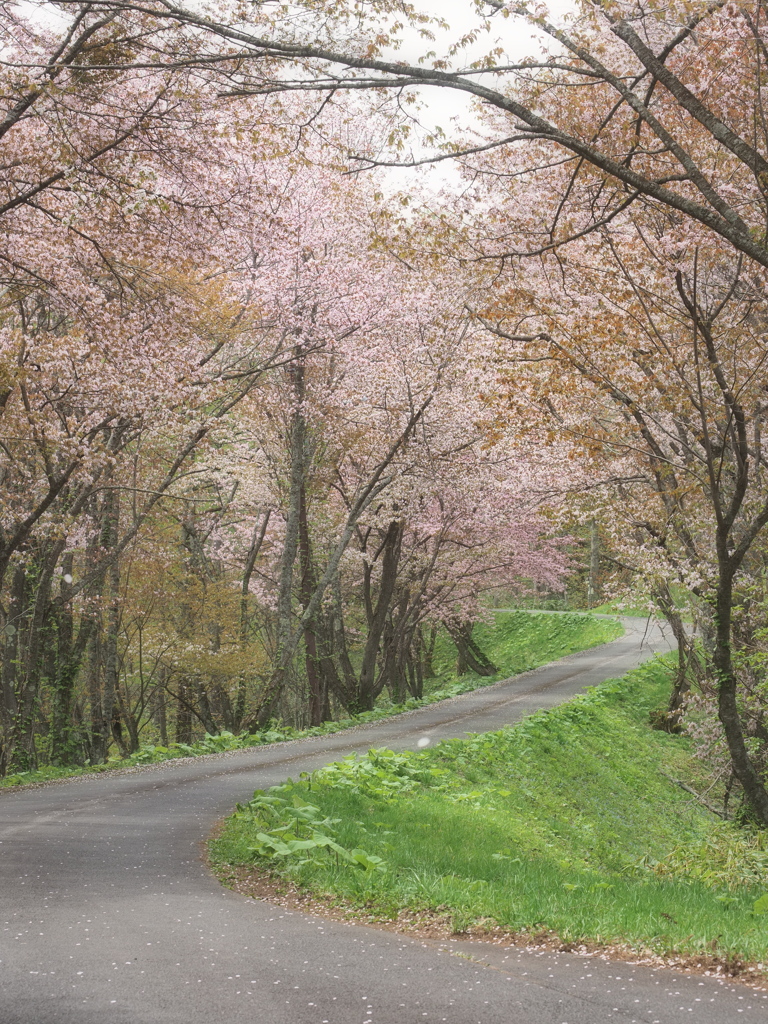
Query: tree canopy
268	423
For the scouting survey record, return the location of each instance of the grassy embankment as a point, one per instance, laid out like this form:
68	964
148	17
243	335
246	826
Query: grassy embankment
566	823
516	642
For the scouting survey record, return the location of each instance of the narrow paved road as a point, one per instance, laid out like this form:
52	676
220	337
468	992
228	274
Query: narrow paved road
109	916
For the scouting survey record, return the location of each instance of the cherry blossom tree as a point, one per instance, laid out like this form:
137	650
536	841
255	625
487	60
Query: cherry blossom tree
644	348
126	335
373	434
632	97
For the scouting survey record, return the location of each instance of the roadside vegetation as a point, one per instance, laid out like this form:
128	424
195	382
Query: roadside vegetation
571	824
515	642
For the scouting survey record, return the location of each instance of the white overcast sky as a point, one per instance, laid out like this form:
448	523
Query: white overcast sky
445	107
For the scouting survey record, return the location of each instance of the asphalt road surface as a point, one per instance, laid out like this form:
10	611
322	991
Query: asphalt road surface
109	916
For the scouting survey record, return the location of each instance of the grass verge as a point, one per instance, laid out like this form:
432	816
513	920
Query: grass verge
515	643
567	824
519	641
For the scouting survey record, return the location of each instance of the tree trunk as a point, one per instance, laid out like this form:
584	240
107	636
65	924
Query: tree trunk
160	705
105	664
285	648
183	713
593	585
429	653
375	484
744	770
347	682
670	720
10	667
377	616
471	658
250	563
98	739
30	623
204	712
66	744
318	693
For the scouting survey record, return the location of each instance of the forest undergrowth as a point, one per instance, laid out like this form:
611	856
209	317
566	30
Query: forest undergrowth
515	642
571	824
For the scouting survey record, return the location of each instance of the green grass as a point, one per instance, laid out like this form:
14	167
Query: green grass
516	642
565	823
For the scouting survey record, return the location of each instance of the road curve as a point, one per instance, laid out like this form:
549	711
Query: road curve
108	915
